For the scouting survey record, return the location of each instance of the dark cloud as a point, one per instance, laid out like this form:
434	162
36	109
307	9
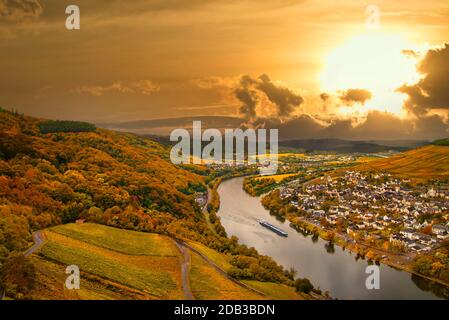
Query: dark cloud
251	92
283	97
248	97
377	126
353	96
431	127
324	96
301	127
19	10
432	91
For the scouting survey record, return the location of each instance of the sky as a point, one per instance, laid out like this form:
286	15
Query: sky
301	64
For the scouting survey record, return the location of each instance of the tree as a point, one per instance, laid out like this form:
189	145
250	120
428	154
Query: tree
303	285
17	275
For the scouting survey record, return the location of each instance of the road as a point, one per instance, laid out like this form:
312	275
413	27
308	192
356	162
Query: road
38	238
185	269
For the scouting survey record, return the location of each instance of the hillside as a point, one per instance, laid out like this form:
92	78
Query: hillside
56	172
123	264
429	162
120	179
338	145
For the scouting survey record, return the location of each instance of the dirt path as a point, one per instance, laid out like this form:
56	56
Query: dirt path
38	238
185	270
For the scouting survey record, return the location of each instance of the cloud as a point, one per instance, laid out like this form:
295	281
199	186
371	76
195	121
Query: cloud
376	126
283	97
324	96
410	53
20	10
248	97
215	82
256	97
432	91
145	87
353	96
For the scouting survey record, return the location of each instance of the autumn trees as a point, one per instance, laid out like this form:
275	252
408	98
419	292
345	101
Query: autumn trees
122	180
17	276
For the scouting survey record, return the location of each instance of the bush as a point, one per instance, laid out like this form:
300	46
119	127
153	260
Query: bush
441	142
52	126
303	285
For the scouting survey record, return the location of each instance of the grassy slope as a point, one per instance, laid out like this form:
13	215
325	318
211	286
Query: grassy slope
424	163
207	283
275	290
156	276
124	241
122	264
271	290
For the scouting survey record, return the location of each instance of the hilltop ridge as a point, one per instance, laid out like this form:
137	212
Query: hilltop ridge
424	163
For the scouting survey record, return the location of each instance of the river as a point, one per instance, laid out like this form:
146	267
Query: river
336	271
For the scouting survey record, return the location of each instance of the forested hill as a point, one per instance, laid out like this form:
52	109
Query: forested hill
74	170
55	172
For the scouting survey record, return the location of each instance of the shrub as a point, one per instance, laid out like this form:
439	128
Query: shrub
303	285
53	126
441	142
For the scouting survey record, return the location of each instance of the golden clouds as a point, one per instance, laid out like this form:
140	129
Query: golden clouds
145	87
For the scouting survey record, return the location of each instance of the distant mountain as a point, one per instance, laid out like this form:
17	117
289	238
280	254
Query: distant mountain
165	126
429	162
339	145
298	133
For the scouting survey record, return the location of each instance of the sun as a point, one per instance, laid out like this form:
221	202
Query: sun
375	62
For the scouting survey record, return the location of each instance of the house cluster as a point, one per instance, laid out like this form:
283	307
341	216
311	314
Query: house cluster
376	205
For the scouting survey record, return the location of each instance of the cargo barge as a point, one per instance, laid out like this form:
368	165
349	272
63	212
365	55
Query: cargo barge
273	228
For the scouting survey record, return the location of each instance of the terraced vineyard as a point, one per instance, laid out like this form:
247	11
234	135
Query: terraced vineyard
123	264
147	263
429	162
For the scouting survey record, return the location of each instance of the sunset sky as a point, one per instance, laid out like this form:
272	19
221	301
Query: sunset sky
313	62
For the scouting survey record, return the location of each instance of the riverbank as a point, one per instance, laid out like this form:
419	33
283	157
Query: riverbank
400	261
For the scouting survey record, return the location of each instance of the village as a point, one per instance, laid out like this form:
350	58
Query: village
375	207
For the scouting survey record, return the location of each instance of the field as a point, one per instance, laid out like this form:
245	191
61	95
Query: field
275	290
277	177
429	162
219	259
121	264
154	273
124	241
271	290
208	283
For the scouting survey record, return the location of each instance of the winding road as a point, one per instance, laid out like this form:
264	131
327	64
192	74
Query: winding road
38	238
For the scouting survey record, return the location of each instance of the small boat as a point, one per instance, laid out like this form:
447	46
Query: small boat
273	228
